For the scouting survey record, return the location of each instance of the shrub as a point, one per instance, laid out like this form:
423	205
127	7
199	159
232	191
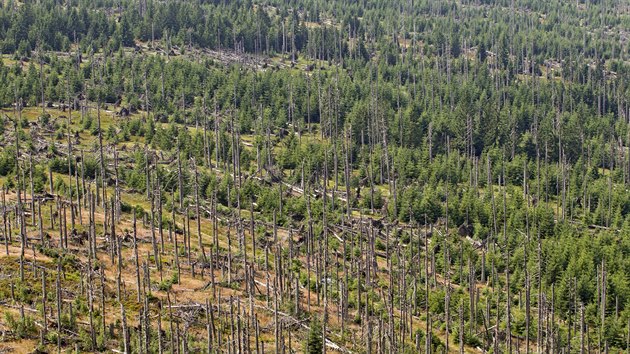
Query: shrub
314	343
23	328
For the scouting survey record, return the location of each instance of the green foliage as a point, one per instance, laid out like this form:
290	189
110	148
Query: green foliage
21	328
314	343
60	165
85	340
167	284
516	126
7	161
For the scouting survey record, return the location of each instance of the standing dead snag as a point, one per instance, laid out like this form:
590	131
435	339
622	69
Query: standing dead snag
125	329
159	210
156	255
91	304
59	302
103	171
19	214
116	210
30	177
180	181
173	225
135	253
197	215
44	296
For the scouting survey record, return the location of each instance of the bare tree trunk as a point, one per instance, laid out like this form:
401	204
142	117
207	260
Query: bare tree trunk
125	329
44	297
102	157
135	256
180	182
203	253
19	213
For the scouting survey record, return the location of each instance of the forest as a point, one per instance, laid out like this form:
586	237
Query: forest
309	176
